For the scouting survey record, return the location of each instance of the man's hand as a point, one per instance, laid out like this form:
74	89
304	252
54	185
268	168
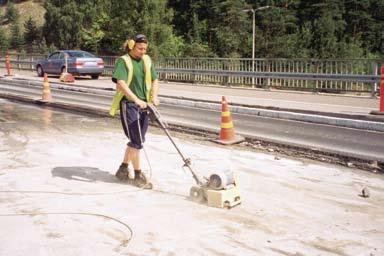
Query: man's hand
141	103
155	101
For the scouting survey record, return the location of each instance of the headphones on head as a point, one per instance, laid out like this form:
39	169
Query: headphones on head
138	38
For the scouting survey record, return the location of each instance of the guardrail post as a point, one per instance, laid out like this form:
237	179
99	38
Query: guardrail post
193	67
374	84
31	60
18	62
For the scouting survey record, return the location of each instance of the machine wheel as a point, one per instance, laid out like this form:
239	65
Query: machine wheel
196	194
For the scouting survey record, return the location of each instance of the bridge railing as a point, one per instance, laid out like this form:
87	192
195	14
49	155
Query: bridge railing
339	75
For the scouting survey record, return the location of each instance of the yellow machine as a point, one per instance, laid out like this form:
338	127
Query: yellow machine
220	190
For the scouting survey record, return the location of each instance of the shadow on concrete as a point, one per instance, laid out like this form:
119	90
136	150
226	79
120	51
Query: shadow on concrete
92	174
84	173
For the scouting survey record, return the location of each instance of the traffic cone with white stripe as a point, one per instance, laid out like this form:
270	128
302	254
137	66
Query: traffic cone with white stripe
46	97
227	134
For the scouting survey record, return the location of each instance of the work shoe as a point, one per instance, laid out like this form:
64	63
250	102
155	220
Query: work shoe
122	172
141	180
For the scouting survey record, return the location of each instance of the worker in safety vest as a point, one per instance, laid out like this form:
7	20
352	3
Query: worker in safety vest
136	86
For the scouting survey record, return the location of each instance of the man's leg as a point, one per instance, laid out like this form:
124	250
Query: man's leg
134	156
135	131
122	173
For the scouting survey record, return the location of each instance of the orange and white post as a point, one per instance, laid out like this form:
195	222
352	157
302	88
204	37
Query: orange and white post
227	134
8	64
381	102
46	97
381	108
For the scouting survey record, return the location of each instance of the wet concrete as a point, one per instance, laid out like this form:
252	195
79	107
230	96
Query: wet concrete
59	196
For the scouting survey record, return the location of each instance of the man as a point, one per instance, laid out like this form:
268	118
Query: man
136	86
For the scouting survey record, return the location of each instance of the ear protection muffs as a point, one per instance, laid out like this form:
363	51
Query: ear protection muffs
131	44
137	38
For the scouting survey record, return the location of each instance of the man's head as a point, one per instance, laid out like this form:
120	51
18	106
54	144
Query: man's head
137	46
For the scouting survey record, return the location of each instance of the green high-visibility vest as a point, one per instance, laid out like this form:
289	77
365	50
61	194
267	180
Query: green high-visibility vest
148	82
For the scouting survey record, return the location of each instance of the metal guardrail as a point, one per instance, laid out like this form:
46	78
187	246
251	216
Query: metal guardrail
278	75
354	75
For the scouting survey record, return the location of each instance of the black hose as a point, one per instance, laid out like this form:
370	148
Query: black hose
76	213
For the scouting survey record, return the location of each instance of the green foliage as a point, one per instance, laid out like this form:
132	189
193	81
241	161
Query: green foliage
172	47
374	38
93	36
128	17
228	26
17	40
62	26
195	49
32	35
3	41
11	13
277	34
218	28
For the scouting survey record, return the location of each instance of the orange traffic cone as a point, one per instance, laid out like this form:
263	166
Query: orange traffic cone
46	90
227	132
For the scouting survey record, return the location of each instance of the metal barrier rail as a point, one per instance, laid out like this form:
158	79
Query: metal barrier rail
278	75
276	66
354	75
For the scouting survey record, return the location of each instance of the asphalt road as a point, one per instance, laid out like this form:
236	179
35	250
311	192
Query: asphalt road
361	144
344	141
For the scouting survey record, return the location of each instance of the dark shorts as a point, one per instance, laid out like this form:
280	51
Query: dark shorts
135	123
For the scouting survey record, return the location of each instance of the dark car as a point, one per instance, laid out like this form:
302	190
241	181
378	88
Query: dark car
79	63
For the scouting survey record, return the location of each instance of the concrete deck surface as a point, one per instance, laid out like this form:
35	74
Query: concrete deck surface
59	196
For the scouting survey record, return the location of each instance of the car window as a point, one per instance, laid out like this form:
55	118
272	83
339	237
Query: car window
54	56
81	54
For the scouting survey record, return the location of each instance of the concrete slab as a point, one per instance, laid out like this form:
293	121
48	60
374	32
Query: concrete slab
59	196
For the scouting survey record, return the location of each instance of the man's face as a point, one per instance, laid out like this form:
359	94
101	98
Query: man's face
139	50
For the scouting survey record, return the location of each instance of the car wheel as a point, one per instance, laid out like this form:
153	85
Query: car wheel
40	71
95	76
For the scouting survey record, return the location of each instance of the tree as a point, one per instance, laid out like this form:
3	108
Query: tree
374	38
327	26
17	40
198	35
279	31
93	36
11	13
63	23
289	28
150	17
228	26
3	40
32	35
